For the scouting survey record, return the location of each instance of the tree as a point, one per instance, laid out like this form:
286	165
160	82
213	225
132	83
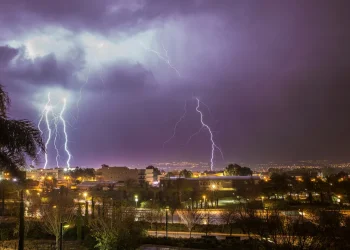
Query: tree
119	232
154	215
245	171
248	221
186	173
237	170
86	214
228	217
129	183
169	174
190	217
7	188
208	221
309	185
279	184
174	204
79	223
82	173
19	139
328	226
232	170
52	218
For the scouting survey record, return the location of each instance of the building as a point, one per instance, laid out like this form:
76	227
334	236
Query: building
117	174
41	174
219	183
141	176
149	175
152	175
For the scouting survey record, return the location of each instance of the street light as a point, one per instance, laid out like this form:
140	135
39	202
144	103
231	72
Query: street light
85	195
166	221
65	226
204	197
213	187
136	199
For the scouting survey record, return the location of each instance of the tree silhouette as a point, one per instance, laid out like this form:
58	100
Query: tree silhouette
19	139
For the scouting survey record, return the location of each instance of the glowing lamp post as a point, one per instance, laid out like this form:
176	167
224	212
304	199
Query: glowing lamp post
204	197
63	226
213	187
166	221
339	198
136	199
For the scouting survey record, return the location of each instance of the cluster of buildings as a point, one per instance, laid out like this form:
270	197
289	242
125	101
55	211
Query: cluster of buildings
211	182
106	176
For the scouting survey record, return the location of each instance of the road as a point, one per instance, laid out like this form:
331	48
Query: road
213	213
219	236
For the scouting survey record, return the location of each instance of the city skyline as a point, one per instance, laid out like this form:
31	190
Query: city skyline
272	77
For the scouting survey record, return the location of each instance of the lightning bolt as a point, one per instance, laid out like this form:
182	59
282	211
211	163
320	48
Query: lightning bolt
189	139
99	46
41	132
213	145
81	92
55	140
177	123
47	110
165	58
201	128
65	132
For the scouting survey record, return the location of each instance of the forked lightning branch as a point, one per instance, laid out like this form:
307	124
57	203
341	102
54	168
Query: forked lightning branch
49	122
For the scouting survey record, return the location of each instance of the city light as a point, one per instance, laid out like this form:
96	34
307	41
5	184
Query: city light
136	199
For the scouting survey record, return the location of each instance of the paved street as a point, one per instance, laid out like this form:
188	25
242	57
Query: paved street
219	236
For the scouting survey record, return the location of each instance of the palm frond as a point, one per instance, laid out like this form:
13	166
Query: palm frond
4	101
11	163
20	136
19	139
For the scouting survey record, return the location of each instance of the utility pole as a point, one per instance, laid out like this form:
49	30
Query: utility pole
21	223
166	222
61	235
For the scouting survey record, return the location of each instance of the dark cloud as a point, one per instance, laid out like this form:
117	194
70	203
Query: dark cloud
124	77
6	55
274	74
45	70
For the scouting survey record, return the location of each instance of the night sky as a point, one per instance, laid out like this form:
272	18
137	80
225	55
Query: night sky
274	75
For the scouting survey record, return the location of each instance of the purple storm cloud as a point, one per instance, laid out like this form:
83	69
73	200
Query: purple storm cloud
275	75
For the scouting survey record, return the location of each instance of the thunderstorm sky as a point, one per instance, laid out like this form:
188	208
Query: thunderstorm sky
274	74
